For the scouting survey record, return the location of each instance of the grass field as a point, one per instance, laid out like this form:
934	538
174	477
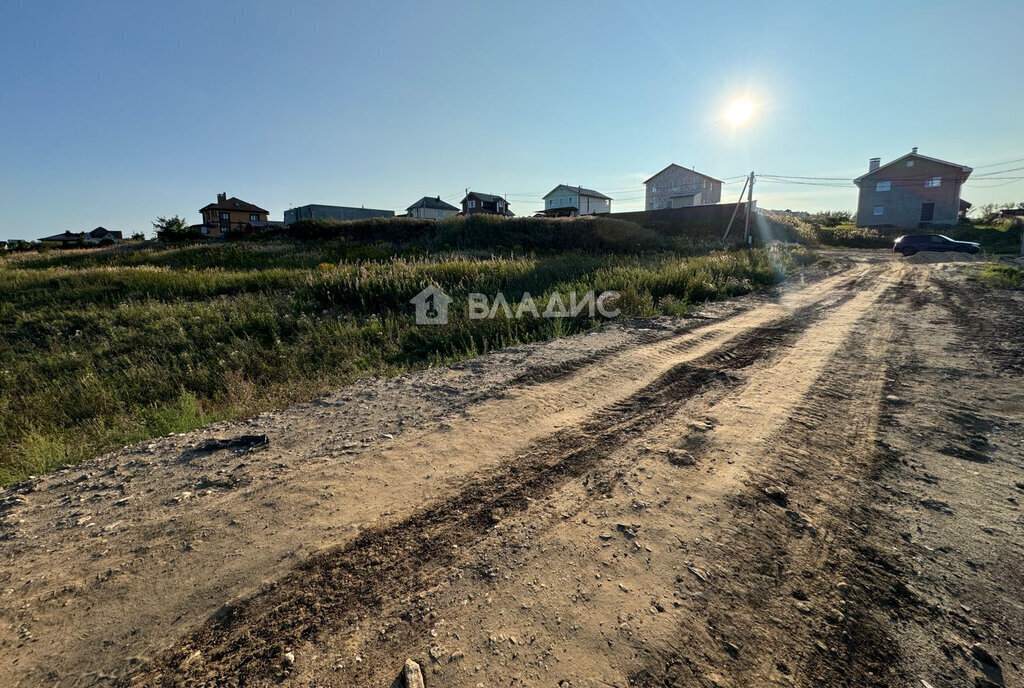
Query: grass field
107	347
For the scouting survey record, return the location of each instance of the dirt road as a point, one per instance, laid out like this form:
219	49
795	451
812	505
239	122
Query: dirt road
819	486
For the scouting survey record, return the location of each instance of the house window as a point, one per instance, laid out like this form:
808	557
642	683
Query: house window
500	206
878	210
933	182
254	218
204	230
883	186
472	204
910	163
224	216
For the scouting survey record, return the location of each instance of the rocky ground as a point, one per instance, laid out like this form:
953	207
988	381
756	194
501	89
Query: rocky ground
818	486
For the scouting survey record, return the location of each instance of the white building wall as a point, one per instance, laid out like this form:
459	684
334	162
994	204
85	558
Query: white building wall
568	197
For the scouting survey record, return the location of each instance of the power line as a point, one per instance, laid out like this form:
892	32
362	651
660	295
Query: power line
783	176
998	164
989	174
994	186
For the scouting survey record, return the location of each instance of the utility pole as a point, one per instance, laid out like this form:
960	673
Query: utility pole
750	196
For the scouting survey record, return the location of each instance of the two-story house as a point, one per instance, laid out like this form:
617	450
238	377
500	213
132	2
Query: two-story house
575	200
229	214
488	204
679	187
431	208
911	191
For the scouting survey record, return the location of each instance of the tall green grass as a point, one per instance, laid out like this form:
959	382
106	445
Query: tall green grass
106	348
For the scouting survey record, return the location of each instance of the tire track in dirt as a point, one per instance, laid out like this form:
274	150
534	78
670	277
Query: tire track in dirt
331	591
785	612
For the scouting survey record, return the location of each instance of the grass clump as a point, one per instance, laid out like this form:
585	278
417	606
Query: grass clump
1002	276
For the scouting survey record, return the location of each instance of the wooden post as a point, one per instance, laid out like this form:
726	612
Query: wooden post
735	210
746	220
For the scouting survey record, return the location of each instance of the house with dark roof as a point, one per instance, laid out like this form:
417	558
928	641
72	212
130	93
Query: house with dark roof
680	187
911	191
229	214
487	204
102	235
65	239
431	208
565	200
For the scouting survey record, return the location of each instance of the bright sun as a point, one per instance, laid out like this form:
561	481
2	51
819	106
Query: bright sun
741	110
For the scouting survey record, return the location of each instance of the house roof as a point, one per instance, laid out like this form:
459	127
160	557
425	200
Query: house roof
564	210
432	202
486	198
101	232
962	168
699	174
66	236
234	204
582	190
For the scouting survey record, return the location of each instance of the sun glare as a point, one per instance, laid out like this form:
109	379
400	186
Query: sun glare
740	111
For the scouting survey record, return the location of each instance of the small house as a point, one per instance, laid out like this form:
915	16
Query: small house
488	204
565	200
431	208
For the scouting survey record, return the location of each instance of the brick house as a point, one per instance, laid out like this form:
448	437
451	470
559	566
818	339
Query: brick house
679	187
911	191
229	214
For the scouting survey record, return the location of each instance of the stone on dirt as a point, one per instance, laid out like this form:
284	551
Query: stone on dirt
777	494
681	458
412	674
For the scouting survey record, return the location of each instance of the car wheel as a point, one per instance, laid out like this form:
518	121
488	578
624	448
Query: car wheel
907	252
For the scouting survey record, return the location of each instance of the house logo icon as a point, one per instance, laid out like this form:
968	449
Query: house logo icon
431	306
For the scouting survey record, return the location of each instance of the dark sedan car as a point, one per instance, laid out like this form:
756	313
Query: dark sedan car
912	243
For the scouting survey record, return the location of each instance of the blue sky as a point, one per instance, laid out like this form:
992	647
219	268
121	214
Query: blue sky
113	113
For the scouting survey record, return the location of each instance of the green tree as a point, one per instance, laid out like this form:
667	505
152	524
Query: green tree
171	228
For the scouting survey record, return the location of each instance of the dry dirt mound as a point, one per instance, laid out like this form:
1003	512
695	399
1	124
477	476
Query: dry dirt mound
930	258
